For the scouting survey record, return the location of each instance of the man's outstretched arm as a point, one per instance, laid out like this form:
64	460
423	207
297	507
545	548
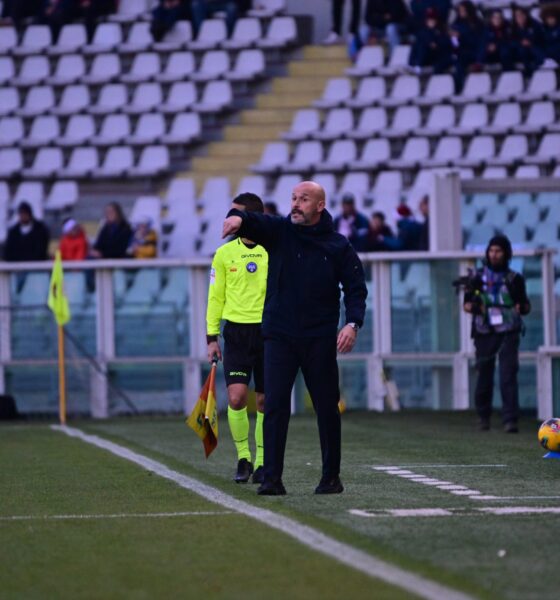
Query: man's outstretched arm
261	229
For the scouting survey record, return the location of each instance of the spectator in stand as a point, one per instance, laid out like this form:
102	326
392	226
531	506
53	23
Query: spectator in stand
335	35
28	239
378	232
496	42
351	224
418	9
18	11
114	237
408	231
527	40
432	46
551	32
166	14
270	208
91	10
424	208
466	35
56	14
73	243
202	9
386	19
144	240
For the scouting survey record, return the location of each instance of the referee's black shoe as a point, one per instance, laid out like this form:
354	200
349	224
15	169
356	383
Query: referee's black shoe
272	488
329	485
258	475
244	471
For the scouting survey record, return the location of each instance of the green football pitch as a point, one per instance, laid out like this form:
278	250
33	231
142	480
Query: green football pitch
475	512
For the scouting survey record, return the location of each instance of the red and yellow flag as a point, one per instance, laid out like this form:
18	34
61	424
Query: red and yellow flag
204	418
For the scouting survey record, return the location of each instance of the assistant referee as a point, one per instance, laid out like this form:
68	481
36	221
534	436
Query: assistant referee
236	294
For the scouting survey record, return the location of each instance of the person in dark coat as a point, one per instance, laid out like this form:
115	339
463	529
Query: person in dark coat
466	37
424	208
551	32
432	46
409	231
308	261
28	239
114	237
387	19
378	232
527	40
91	10
352	224
166	14
497	299
496	42
418	9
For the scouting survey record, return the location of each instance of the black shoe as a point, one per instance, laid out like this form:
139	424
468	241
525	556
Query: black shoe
258	475
271	488
330	485
511	427
484	424
244	471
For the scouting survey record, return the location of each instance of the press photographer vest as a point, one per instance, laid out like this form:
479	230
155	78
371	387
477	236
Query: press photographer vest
500	315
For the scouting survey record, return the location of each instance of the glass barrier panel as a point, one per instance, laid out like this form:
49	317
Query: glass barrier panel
364	341
556	387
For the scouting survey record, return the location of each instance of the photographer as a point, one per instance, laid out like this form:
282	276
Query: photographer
496	297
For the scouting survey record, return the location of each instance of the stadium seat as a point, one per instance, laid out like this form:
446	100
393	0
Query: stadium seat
527	172
179	67
215	196
72	38
519	201
32	192
337	123
74	99
150	127
249	65
556	172
117	162
63	194
405	119
181	96
44	130
281	32
405	88
545	234
477	85
547	151
439	89
255	184
185	129
448	150
483	200
506	117
147	207
39	100
542	84
106	38
212	33
7	69
104	69
494	173
510	84
282	192
478	236
8	39
214	64
33	71
130	10
340	155
11	131
370	91
495	215
374	154
46	163
328	182
180	203
481	149
145	66
35	40
275	154
415	150
246	32
539	116
180	189
356	184
70	68
267	8
337	91
81	164
139	38
9	101
440	119
177	38
370	58
387	192
513	149
182	238
397	62
11	162
549	201
79	130
306	157
529	214
372	121
473	118
112	98
114	129
216	97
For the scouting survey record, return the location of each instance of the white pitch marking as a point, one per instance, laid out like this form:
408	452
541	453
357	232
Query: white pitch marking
114	516
449	487
501	498
454	512
400	472
521	510
312	538
465	492
426	466
420	512
486	497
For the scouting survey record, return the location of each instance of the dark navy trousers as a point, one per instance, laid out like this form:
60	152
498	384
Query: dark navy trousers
316	357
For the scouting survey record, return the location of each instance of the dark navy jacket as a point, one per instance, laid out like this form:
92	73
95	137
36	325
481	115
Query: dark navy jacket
306	265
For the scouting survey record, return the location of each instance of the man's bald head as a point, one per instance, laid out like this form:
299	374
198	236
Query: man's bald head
308	202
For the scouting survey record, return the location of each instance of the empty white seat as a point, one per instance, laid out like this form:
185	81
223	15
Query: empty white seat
387	186
281	32
405	119
340	155
527	172
539	116
543	83
476	86
9	101
282	192
307	156
147	207
506	117
39	100
439	88
181	96
114	129
74	99
245	33
63	194
36	39
370	91
81	163
494	173
509	85
11	162
33	71
372	121
547	151
405	88
149	129
374	154
180	194
7	68
473	118
415	150
337	123
185	128
249	64
117	162
448	150
46	163
145	66
481	148
216	192
370	58
79	130
398	60
154	161
107	37
212	33
177	38
337	91
69	69
8	39
180	66
255	184
139	38
32	192
146	97
356	184
305	122
214	64
130	10
104	68
216	97
72	38
514	148
274	155
440	119
44	130
112	97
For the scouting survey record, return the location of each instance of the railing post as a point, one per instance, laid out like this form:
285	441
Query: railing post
548	300
545	400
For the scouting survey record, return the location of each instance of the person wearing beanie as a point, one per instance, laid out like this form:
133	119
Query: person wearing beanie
497	300
352	224
28	239
73	243
409	231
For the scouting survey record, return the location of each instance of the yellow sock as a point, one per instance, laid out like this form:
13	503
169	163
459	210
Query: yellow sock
259	458
239	427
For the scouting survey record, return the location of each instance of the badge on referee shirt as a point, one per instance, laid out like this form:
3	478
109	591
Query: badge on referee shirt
251	267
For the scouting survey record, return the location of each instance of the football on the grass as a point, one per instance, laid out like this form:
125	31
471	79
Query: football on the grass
549	435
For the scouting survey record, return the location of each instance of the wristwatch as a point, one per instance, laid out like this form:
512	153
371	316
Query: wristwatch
354	326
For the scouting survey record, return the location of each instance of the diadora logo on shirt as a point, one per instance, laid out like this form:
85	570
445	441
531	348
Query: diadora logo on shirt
251	267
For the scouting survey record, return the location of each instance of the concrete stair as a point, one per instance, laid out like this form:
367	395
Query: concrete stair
243	142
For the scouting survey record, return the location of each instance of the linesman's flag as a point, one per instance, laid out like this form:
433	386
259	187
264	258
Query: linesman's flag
57	301
204	418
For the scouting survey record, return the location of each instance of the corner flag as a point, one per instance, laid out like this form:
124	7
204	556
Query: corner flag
204	418
57	301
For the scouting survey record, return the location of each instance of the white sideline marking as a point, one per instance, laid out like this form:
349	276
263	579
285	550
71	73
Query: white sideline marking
426	466
454	512
115	516
344	553
521	510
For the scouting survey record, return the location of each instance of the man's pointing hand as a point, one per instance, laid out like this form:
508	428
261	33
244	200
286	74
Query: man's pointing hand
231	225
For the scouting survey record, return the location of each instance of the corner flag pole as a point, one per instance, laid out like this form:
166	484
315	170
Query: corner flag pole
61	377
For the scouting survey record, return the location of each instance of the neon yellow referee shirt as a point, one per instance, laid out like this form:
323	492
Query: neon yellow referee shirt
237	285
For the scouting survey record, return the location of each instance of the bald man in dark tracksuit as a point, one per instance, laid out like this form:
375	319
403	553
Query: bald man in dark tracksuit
308	262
